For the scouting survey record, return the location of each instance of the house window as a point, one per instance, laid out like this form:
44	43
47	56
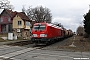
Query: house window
1	19
10	28
9	19
3	28
27	23
19	22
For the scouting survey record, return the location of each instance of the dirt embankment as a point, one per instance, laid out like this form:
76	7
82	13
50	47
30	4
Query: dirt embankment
20	43
77	43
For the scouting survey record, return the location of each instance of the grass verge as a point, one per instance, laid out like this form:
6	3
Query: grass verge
82	44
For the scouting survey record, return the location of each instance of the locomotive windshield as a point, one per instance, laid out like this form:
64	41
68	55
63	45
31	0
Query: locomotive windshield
39	27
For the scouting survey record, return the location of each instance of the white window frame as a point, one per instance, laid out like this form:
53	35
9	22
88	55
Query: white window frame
19	22
27	23
9	19
1	19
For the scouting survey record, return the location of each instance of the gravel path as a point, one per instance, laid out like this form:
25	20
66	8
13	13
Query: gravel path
56	45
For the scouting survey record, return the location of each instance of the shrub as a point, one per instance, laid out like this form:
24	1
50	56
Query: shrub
86	35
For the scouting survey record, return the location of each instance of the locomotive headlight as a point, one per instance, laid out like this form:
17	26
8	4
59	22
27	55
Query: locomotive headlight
43	35
34	35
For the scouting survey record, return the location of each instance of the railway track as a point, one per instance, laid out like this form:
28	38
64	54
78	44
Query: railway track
18	48
36	52
8	52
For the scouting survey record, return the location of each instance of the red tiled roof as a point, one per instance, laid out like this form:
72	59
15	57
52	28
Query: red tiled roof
14	13
11	13
23	16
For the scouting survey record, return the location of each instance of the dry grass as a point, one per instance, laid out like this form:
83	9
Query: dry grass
6	35
82	44
2	40
3	35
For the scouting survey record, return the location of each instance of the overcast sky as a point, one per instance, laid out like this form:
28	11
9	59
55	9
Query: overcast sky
67	12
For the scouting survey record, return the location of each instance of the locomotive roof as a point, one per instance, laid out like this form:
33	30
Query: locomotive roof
49	24
39	23
55	26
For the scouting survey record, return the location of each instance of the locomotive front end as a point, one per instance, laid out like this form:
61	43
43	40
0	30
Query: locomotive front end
39	32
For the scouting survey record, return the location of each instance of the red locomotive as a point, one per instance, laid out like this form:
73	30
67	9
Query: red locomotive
46	32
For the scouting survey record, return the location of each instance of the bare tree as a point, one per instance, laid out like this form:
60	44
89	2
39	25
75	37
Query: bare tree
5	4
39	14
58	24
23	9
80	30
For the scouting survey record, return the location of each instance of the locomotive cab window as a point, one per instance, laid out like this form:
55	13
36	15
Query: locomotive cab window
36	27
40	27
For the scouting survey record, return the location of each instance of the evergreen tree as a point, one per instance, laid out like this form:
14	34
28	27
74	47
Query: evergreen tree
87	22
